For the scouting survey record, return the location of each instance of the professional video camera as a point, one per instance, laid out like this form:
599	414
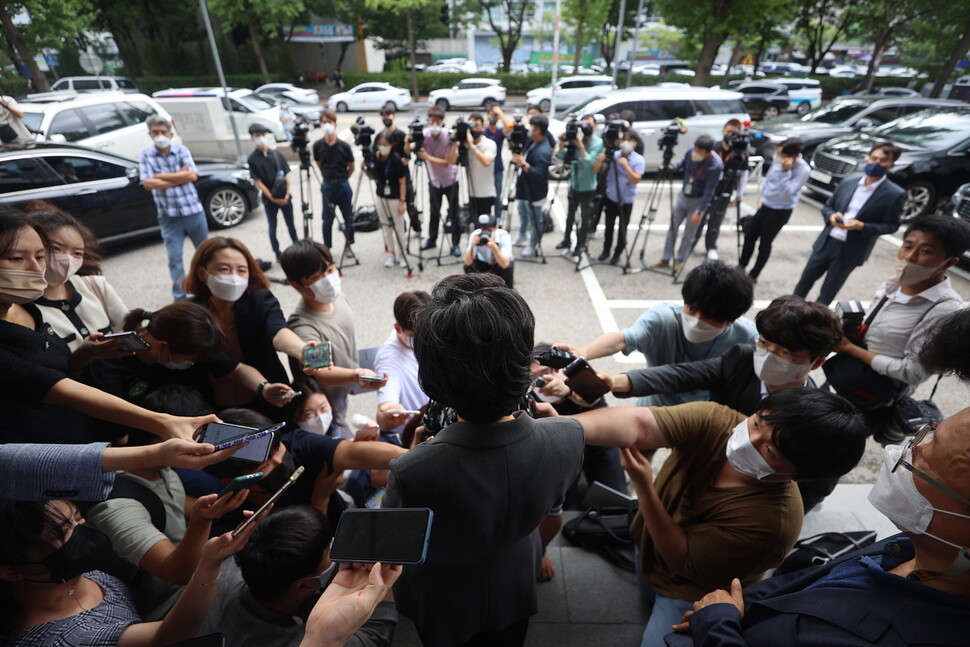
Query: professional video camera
556	358
438	416
853	316
416	134
460	134
518	136
299	144
612	133
669	136
572	131
740	143
364	138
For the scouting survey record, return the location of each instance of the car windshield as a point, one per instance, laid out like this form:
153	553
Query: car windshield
837	112
253	101
933	129
32	121
577	109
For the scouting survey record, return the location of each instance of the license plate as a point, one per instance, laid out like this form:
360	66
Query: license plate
816	174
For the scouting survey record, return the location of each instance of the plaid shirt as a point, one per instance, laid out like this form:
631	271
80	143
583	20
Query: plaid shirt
181	200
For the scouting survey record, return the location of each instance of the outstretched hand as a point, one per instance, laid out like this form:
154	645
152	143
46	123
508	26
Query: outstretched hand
347	603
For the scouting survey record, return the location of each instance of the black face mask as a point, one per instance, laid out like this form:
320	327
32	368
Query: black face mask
387	122
88	549
476	134
275	479
493	120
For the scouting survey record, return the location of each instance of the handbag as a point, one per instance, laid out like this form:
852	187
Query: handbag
823	548
855	380
7	132
278	190
605	530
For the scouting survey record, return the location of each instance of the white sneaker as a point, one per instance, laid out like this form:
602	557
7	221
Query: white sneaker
391	261
401	262
529	251
712	254
520	240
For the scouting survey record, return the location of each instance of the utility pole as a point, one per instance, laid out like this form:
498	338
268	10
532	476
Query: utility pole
636	43
617	41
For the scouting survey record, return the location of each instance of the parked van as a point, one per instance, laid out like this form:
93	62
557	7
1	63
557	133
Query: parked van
95	84
248	107
104	121
703	110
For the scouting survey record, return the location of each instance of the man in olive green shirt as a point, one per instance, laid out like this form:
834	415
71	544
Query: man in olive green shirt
585	162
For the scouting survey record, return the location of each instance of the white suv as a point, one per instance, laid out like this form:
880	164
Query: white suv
110	122
469	93
571	90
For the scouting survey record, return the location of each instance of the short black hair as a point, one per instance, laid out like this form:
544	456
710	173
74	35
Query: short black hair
953	233
473	344
719	291
407	304
477	116
255	129
889	148
305	258
947	347
796	324
822	433
286	546
436	111
704	143
792	146
388	110
541	122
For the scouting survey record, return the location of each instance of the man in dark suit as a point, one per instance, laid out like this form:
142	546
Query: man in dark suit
491	478
862	208
912	589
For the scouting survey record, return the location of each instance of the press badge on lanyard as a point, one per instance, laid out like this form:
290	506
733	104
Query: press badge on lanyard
689	184
387	178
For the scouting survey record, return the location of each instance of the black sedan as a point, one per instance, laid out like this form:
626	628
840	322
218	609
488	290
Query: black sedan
102	190
764	100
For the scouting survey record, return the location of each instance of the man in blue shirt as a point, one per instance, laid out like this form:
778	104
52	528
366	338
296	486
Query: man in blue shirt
702	171
621	191
495	130
168	171
533	182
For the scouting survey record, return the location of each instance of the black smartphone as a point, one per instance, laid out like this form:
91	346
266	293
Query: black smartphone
224	435
581	378
270	501
372	378
389	536
240	483
318	356
130	340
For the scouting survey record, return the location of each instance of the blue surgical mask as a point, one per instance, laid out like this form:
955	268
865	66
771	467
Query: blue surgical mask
876	170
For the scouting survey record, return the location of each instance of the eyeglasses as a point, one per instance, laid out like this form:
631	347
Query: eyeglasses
924	432
763	347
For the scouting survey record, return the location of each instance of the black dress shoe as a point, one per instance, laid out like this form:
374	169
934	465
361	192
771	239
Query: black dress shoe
616	258
264	265
456	251
605	255
431	243
889	435
578	251
563	244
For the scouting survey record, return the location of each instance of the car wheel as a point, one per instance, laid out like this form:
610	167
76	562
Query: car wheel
803	108
544	105
442	103
770	112
390	105
489	103
341	107
920	200
225	207
559	170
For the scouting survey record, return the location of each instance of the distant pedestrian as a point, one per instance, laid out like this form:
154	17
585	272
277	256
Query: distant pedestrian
13	133
338	81
271	173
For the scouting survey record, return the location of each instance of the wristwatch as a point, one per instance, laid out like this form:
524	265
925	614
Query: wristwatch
260	387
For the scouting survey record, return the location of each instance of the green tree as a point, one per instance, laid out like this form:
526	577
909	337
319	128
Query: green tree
260	18
607	14
884	24
504	17
937	43
51	21
821	23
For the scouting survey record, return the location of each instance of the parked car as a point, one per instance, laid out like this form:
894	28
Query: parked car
370	96
95	84
790	69
763	100
896	92
703	110
934	163
309	110
804	94
114	123
290	91
840	117
456	65
959	207
469	93
103	191
570	90
248	107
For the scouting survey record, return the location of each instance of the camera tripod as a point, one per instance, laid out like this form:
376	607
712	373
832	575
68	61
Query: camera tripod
597	206
308	172
667	142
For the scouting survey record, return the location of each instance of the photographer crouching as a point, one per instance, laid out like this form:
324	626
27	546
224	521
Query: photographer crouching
580	147
490	250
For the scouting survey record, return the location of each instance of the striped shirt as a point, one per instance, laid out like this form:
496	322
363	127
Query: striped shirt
181	200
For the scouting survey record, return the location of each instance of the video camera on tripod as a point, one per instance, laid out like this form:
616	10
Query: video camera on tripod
740	143
416	134
460	134
569	137
299	144
668	140
612	134
518	136
364	138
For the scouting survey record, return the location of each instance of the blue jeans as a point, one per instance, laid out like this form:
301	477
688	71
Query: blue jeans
272	209
337	194
499	179
530	218
174	230
665	613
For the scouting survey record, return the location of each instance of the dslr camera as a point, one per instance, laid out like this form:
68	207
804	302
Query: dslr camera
853	316
555	358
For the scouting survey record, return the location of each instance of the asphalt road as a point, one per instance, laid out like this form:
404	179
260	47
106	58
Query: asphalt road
570	306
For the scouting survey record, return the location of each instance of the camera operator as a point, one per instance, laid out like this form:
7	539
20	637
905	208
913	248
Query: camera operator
441	155
498	125
587	155
728	150
621	191
400	142
335	159
490	250
702	171
271	174
533	182
904	311
629	117
780	191
390	175
481	157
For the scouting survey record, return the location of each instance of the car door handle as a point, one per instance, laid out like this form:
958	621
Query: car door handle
85	192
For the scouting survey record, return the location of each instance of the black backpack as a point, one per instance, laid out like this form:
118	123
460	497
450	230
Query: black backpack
605	530
366	218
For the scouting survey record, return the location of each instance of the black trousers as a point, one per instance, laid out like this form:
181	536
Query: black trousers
765	224
434	196
480	207
612	210
507	274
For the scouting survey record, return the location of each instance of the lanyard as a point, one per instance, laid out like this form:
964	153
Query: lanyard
698	171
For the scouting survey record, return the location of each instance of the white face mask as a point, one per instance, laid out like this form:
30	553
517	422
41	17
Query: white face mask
626	147
696	330
385	151
323	579
745	457
228	287
697	157
327	288
178	366
162	142
318	425
327	128
435	130
264	141
910	273
21	286
775	371
61	267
